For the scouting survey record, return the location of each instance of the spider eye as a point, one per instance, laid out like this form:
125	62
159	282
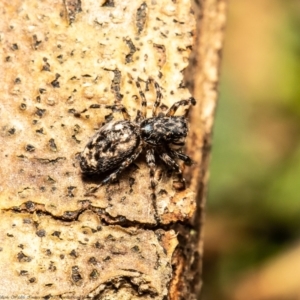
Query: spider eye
148	128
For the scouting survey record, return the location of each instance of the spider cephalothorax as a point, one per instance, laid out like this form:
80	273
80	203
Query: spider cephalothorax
118	143
164	131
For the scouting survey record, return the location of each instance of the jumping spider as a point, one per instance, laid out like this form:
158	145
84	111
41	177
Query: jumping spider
118	143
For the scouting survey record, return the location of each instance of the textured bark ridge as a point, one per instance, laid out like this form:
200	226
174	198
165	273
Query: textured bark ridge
202	75
59	58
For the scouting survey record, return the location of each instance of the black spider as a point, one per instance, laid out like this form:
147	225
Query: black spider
118	143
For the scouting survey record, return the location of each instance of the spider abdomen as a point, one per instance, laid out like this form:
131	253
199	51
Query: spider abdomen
110	146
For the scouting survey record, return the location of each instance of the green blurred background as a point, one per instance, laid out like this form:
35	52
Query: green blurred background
252	230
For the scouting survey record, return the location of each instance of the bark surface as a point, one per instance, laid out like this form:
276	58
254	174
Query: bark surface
59	59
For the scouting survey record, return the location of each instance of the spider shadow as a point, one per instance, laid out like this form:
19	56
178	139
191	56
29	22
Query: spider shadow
130	176
98	178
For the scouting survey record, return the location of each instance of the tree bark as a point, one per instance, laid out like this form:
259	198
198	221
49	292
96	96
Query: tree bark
63	64
203	75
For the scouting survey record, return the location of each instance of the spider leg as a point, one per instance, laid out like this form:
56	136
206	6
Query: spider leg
122	108
158	98
117	172
176	105
186	159
144	101
139	118
114	108
150	159
170	162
